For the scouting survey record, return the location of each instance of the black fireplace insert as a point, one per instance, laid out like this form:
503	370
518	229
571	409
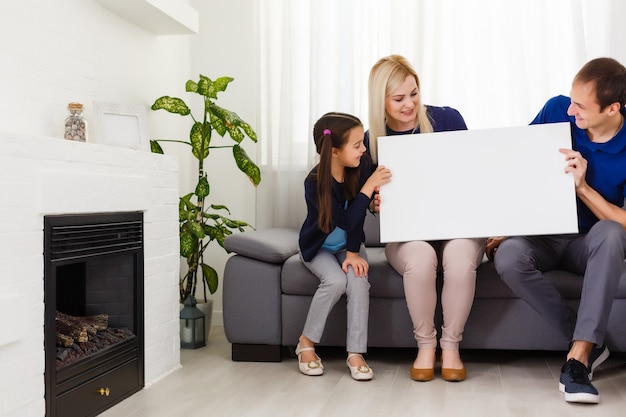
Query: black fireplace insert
94	311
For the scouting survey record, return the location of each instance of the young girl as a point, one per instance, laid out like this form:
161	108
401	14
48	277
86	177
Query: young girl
338	191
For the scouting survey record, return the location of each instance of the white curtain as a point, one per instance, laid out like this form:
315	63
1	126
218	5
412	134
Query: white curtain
496	61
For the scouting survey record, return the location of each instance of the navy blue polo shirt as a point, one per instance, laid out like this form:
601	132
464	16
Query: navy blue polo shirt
606	162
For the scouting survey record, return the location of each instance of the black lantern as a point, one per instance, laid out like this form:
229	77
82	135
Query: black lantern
191	325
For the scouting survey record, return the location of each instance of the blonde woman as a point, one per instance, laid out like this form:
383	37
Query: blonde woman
395	108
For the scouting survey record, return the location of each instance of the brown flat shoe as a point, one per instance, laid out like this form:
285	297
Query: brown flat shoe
422	375
453	375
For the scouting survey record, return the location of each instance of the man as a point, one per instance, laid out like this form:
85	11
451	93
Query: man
598	166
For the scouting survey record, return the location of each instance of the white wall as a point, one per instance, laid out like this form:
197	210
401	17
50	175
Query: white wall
75	50
224	47
54	52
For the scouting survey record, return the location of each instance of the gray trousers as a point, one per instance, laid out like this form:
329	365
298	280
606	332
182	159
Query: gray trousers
334	283
597	255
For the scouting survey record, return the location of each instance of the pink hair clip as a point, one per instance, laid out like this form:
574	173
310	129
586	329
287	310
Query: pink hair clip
326	132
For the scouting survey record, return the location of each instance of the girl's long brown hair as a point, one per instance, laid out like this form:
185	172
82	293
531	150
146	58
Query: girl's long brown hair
339	125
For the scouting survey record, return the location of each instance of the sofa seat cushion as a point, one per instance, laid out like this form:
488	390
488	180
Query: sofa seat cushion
489	284
385	282
296	279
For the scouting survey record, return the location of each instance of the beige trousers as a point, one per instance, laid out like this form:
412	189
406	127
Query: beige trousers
418	263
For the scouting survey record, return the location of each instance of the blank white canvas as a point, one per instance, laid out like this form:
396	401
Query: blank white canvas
477	183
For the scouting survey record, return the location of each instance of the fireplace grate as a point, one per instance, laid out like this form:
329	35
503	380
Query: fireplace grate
80	241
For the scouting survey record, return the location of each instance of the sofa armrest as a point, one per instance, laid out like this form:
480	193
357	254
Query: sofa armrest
274	245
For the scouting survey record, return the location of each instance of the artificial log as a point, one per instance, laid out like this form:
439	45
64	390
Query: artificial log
100	321
71	329
79	329
92	324
65	341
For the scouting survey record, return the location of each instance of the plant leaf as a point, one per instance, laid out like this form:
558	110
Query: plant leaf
172	105
220	207
205	87
210	277
227	121
191	86
155	147
200	140
235	224
210	88
188	243
196	230
246	165
214	232
203	188
221	83
216	122
186	206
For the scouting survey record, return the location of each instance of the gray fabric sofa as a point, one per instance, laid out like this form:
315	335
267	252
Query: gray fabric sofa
267	292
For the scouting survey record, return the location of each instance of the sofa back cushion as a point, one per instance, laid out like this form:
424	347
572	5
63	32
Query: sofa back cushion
372	230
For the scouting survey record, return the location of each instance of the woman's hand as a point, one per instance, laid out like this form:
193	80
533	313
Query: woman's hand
375	203
492	246
359	265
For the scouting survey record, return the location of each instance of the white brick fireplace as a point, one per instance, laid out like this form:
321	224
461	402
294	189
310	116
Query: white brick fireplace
43	175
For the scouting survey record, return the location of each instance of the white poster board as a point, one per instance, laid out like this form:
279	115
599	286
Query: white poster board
477	183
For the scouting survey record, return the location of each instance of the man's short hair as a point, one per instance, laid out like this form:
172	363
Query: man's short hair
609	77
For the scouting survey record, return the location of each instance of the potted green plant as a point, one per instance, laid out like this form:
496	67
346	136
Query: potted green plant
201	221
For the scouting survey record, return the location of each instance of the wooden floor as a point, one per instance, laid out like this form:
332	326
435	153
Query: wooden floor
499	384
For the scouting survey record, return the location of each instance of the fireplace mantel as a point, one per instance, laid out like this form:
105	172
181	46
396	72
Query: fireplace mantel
45	175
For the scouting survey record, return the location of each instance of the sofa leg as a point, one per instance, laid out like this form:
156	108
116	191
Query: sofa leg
255	353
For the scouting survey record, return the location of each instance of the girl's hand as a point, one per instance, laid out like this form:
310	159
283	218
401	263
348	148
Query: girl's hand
379	177
359	265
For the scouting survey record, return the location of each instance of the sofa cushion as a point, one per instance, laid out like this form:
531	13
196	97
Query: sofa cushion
384	280
489	284
371	228
296	279
268	245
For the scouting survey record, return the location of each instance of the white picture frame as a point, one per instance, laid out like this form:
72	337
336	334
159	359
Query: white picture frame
120	124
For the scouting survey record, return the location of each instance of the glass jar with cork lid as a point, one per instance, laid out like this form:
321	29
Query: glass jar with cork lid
75	124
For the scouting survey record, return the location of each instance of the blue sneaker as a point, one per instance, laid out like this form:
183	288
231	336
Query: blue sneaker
596	357
574	383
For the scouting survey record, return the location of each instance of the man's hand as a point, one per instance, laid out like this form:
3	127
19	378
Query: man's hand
576	165
492	246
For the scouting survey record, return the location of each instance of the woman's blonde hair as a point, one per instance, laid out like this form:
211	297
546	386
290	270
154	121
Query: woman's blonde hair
385	77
